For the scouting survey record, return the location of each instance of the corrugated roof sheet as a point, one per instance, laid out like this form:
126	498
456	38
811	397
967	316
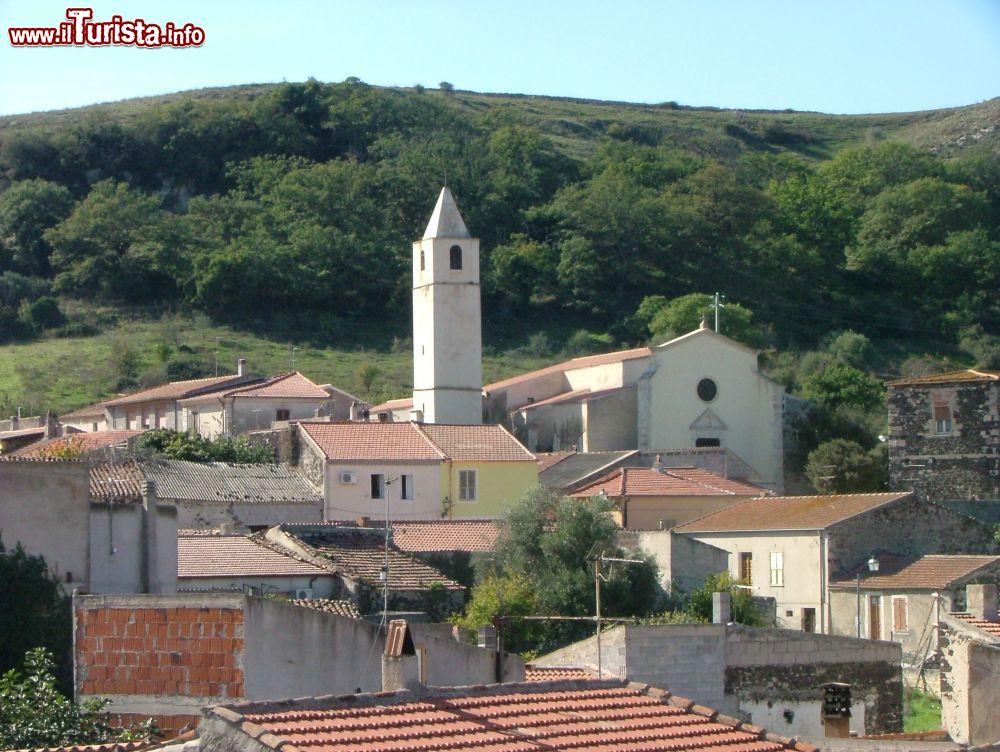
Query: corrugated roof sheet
674	481
930	572
597	716
950	377
225	482
576	465
237	556
181	389
789	512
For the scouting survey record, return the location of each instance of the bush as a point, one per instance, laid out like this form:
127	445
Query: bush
842	466
42	313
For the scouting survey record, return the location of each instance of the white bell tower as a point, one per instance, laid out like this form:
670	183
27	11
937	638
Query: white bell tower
447	336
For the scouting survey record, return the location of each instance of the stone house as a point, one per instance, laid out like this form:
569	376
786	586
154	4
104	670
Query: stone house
791	548
421	471
944	435
903	600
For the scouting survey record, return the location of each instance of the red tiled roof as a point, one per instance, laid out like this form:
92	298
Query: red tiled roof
489	443
789	512
116	481
597	716
587	361
236	556
930	572
180	389
87	441
330	606
421	536
85	412
372	441
673	481
107	747
396	404
990	627
288	385
534	673
949	377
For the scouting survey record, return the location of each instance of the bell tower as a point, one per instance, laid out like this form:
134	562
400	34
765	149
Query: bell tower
447	336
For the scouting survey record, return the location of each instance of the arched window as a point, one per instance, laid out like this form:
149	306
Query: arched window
455	257
421	261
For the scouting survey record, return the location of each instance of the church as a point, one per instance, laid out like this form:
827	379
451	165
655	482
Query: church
699	390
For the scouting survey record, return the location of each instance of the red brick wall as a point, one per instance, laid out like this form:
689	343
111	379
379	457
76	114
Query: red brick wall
177	651
169	726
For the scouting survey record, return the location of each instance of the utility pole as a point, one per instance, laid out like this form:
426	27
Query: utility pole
717	304
385	589
598	576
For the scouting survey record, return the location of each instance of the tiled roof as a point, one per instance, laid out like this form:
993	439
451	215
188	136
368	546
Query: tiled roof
85	412
789	512
107	747
534	673
225	482
181	389
372	441
116	481
950	377
361	555
674	481
596	716
990	627
404	403
930	572
330	606
549	459
485	443
587	361
287	385
577	395
237	556
87	441
445	535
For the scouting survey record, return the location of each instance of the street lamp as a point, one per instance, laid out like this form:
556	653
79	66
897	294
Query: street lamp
872	567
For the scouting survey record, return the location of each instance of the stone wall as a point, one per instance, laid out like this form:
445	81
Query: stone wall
970	682
962	464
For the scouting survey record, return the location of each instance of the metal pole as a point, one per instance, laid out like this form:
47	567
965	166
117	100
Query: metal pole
857	593
597	612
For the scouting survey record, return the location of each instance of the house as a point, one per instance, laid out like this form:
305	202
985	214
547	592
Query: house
944	435
599	715
659	498
790	548
90	418
236	497
100	528
418	471
903	599
231	412
158	406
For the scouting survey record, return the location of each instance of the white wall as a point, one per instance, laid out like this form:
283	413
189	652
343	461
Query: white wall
350	501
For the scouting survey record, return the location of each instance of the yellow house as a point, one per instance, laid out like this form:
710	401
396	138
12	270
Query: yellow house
416	471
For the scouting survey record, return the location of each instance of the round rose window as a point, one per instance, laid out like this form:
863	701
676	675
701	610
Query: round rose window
707	390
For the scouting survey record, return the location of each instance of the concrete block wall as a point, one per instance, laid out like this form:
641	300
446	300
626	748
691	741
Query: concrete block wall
689	660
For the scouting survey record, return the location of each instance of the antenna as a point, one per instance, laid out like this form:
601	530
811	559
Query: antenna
717	304
598	577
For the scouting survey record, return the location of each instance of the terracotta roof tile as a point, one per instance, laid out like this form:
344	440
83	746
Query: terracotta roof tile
372	441
990	627
950	377
396	404
490	443
97	409
674	481
789	512
330	606
180	389
87	441
107	747
598	716
534	673
574	364
236	556
288	385
445	535
930	572
116	481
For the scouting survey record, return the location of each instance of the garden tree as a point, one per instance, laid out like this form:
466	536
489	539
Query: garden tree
669	319
551	543
178	445
36	613
35	714
742	608
842	385
843	466
27	209
505	595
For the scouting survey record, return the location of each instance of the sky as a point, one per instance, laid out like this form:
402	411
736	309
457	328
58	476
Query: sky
843	56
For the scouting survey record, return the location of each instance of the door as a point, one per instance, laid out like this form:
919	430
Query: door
809	620
875	617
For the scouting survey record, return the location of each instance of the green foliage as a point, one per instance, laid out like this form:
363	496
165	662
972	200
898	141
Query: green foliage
742	608
843	466
842	385
33	713
921	712
42	313
684	314
177	445
27	209
504	595
36	613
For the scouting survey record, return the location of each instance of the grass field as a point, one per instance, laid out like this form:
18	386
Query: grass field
922	712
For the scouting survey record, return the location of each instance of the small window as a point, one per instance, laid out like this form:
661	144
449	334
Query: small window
707	390
422	261
746	568
467	485
455	257
282	414
777	569
942	419
703	443
406	487
899	623
378	486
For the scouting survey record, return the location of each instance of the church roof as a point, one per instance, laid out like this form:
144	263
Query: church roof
446	221
674	481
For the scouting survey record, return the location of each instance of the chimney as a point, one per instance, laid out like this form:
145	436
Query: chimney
417	416
720	608
658	463
353	414
51	426
241	367
981	602
400	666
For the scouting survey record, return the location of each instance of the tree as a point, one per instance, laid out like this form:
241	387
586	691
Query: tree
843	466
684	314
27	209
742	608
842	385
447	88
177	445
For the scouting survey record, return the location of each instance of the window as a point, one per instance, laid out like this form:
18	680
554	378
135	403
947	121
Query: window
467	485
707	390
406	487
777	569
455	257
378	486
422	261
282	414
704	442
942	419
899	614
746	568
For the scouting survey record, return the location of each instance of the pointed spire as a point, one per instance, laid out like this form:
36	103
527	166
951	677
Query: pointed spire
446	222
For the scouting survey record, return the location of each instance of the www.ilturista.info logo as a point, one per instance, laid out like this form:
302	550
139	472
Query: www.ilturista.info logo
80	31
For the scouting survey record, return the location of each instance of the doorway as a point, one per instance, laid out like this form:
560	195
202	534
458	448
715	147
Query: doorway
874	617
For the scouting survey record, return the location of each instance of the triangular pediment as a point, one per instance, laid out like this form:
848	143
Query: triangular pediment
708	421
